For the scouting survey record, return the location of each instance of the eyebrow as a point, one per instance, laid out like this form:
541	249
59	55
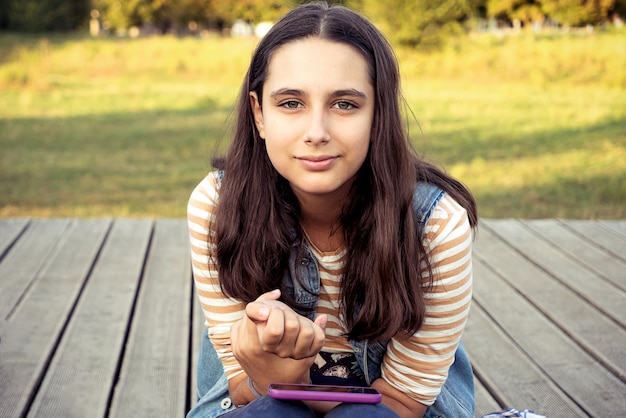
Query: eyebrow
334	94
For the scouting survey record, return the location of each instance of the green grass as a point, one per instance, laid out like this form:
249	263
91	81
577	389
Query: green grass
536	126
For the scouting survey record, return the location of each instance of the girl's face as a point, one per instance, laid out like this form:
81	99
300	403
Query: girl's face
316	115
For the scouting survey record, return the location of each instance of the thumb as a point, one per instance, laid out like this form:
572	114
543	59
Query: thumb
258	311
322	321
273	295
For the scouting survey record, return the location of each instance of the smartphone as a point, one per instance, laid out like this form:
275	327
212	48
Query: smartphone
353	394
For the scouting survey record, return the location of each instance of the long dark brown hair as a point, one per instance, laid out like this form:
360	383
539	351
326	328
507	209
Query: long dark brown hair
258	214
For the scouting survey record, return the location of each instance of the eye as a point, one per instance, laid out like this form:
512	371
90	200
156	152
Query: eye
344	105
291	104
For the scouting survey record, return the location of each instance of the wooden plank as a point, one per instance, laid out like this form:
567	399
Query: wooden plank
596	232
153	380
599	335
602	294
85	365
27	257
616	225
10	230
600	393
196	338
485	402
509	373
32	333
529	328
582	251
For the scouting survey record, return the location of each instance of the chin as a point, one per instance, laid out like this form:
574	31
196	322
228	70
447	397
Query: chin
320	190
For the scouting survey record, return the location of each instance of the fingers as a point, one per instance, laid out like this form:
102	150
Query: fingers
289	335
320	333
280	333
321	321
258	310
280	330
310	340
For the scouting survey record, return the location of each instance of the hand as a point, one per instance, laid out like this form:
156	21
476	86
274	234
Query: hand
272	343
284	332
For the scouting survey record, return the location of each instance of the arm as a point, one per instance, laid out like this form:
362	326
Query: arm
418	365
220	312
248	340
399	402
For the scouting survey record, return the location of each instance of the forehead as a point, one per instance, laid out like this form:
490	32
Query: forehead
317	62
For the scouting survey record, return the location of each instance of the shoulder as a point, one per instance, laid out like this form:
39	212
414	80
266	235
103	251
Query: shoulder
426	196
208	189
204	197
448	222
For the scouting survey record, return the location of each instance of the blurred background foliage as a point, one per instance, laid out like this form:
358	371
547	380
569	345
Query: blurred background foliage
407	22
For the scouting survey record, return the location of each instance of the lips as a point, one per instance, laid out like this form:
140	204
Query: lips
317	162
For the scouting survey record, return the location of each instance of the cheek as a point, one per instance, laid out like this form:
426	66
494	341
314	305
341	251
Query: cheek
362	143
276	152
361	154
280	134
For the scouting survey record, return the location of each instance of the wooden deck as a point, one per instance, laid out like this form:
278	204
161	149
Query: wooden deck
98	318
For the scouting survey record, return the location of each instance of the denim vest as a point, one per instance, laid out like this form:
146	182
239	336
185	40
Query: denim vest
369	355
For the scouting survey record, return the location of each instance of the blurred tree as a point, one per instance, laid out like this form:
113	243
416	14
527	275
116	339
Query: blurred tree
479	7
44	15
619	9
122	15
408	22
524	11
117	14
413	22
159	13
4	14
165	14
252	11
565	12
577	12
186	11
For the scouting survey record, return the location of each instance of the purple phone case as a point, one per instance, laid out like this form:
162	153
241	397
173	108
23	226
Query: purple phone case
324	393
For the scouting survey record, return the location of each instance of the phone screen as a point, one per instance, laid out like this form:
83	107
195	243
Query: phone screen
325	388
353	394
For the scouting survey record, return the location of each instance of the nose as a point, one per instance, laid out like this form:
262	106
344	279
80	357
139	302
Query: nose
317	131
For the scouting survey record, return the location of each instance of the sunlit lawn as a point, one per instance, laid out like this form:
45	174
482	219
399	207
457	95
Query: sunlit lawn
113	127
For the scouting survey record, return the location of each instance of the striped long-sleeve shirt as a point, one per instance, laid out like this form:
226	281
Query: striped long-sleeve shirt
418	365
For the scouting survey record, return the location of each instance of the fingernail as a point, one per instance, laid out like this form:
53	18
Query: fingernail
264	311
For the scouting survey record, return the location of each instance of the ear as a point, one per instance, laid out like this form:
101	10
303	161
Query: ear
257	111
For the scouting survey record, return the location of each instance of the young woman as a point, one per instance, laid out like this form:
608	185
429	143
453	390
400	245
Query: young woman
324	250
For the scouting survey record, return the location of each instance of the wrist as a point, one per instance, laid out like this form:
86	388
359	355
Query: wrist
255	392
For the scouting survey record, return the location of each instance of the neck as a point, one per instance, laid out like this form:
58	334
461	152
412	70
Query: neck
319	219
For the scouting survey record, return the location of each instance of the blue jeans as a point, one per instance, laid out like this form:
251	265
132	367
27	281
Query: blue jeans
456	399
267	407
